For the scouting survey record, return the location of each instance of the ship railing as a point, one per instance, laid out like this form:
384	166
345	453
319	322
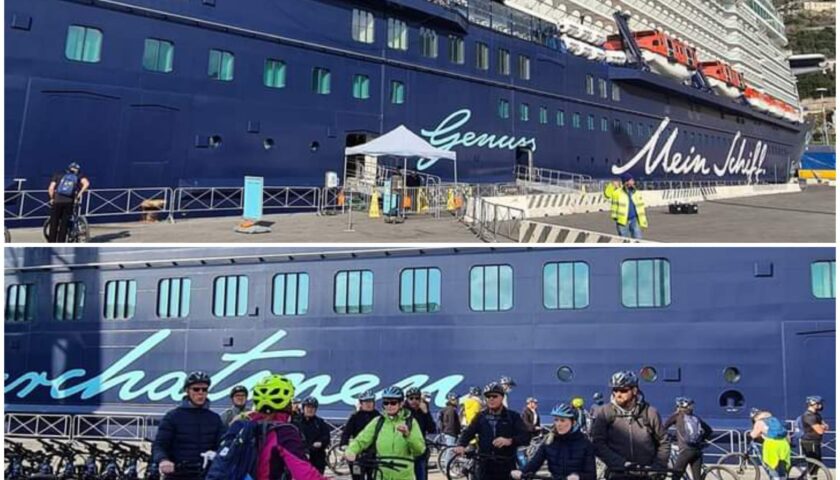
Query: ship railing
26	204
723	442
551	177
125	201
490	221
35	425
829	445
121	427
217	199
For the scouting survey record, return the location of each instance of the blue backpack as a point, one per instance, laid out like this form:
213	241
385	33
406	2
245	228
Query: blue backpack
67	185
798	430
693	430
775	429
238	452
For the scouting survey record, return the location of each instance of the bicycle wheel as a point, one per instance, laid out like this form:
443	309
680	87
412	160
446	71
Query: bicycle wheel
459	467
718	472
600	469
82	231
741	465
441	457
336	461
47	229
808	469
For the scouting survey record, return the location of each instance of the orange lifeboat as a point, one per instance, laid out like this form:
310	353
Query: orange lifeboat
664	54
756	99
723	78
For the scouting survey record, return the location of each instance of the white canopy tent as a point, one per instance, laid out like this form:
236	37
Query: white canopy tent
402	142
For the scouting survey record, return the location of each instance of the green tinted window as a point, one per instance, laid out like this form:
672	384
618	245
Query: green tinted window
84	44
220	65
158	55
491	288
645	283
20	302
120	299
230	296
321	80
361	87
274	74
291	294
69	302
823	283
420	290
353	292
173	298
565	285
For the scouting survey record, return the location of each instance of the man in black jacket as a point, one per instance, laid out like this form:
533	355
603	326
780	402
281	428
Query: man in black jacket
188	430
316	434
500	431
356	423
420	411
450	426
692	434
531	417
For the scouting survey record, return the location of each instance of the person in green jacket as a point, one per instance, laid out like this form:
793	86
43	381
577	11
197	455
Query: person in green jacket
627	207
398	435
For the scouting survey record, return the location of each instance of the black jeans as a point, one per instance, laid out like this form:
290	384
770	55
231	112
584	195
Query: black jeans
812	449
59	220
690	456
494	470
318	459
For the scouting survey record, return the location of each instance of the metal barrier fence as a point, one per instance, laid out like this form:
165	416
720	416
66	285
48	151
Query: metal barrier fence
38	425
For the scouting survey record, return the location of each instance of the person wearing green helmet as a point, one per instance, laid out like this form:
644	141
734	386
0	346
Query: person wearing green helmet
395	434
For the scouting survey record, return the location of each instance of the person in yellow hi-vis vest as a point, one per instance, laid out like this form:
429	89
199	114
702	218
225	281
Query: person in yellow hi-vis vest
627	208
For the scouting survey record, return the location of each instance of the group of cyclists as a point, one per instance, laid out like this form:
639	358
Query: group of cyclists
280	437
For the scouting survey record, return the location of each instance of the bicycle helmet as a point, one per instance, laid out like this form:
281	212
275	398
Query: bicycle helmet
197	377
625	379
578	402
813	400
754	412
507	381
452	398
598	398
238	389
310	402
683	402
531	399
494	388
564	411
367	396
393	393
74	167
273	393
475	391
413	392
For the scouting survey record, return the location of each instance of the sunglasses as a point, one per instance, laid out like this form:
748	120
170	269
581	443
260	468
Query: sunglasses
492	396
390	402
414	398
621	390
198	389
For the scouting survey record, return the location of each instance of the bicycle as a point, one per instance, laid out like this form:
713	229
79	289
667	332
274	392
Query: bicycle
15	454
336	461
643	471
466	465
376	464
749	466
78	230
707	472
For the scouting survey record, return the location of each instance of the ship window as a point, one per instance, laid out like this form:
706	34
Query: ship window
69	301
590	85
291	294
565	285
629	128
456	49
491	288
420	290
428	43
524	112
482	56
158	55
361	87
504	62
823	284
645	283
20	302
321	79
602	88
524	67
84	44
648	374
220	66
120	299
731	375
616	93
640	130
561	118
617	125
363	26
353	291
397	92
397	34
543	115
274	75
565	373
590	122
504	108
174	298
605	124
576	120
230	296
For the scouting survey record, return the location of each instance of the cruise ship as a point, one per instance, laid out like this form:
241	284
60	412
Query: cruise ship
114	331
164	93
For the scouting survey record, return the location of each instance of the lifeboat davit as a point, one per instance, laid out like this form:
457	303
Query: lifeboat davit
665	55
723	78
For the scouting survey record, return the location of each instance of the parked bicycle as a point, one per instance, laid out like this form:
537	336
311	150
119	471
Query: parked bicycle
378	464
750	466
708	472
78	230
466	466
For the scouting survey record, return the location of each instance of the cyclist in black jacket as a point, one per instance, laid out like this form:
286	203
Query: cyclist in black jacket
357	422
500	431
188	430
316	434
420	411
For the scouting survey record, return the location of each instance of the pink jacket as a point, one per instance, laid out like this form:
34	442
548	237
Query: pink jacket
286	443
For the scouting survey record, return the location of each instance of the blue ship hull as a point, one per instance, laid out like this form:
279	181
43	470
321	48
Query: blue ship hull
130	127
753	310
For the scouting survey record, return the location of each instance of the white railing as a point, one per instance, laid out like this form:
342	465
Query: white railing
220	199
37	425
547	176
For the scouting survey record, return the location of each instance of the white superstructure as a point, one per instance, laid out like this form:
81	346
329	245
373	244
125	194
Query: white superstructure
748	34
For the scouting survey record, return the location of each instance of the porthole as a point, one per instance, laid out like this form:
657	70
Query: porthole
732	400
268	143
648	374
731	375
215	141
565	374
314	146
